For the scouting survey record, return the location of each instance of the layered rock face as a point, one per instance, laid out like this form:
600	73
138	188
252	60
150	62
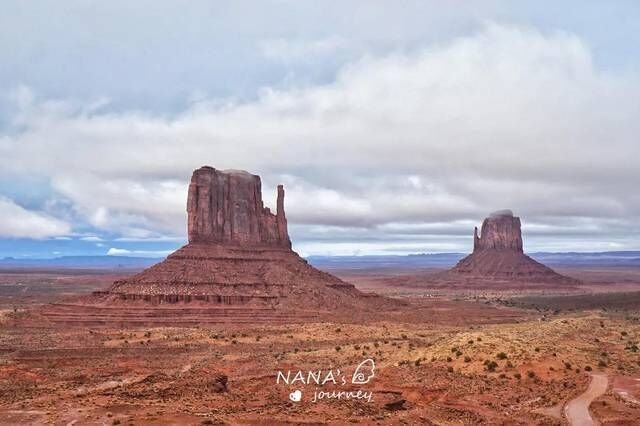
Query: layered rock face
498	255
226	207
500	231
239	254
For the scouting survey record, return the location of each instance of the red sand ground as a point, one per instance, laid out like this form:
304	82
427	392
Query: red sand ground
434	360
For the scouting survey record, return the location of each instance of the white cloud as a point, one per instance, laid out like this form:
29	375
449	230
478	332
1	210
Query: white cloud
127	205
506	118
18	222
92	238
113	251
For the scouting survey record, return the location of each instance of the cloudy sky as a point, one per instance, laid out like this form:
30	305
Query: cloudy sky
394	126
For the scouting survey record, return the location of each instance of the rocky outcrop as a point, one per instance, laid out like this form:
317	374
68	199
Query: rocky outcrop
239	255
225	206
500	231
498	256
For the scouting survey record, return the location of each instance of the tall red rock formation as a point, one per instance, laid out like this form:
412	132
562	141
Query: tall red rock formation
238	254
500	231
498	255
226	207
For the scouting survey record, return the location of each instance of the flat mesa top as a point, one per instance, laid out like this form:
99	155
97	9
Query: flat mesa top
502	213
236	172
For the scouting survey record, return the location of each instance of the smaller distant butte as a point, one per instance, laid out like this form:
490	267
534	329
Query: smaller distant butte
498	256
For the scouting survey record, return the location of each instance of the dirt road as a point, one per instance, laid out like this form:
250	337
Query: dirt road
577	410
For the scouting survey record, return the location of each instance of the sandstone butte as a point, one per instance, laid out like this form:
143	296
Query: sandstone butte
498	255
238	267
238	255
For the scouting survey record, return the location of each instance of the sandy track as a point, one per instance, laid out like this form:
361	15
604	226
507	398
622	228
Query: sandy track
577	410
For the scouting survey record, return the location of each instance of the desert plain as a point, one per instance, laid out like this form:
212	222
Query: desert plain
495	354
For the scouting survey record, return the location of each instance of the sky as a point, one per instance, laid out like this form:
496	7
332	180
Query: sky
396	127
